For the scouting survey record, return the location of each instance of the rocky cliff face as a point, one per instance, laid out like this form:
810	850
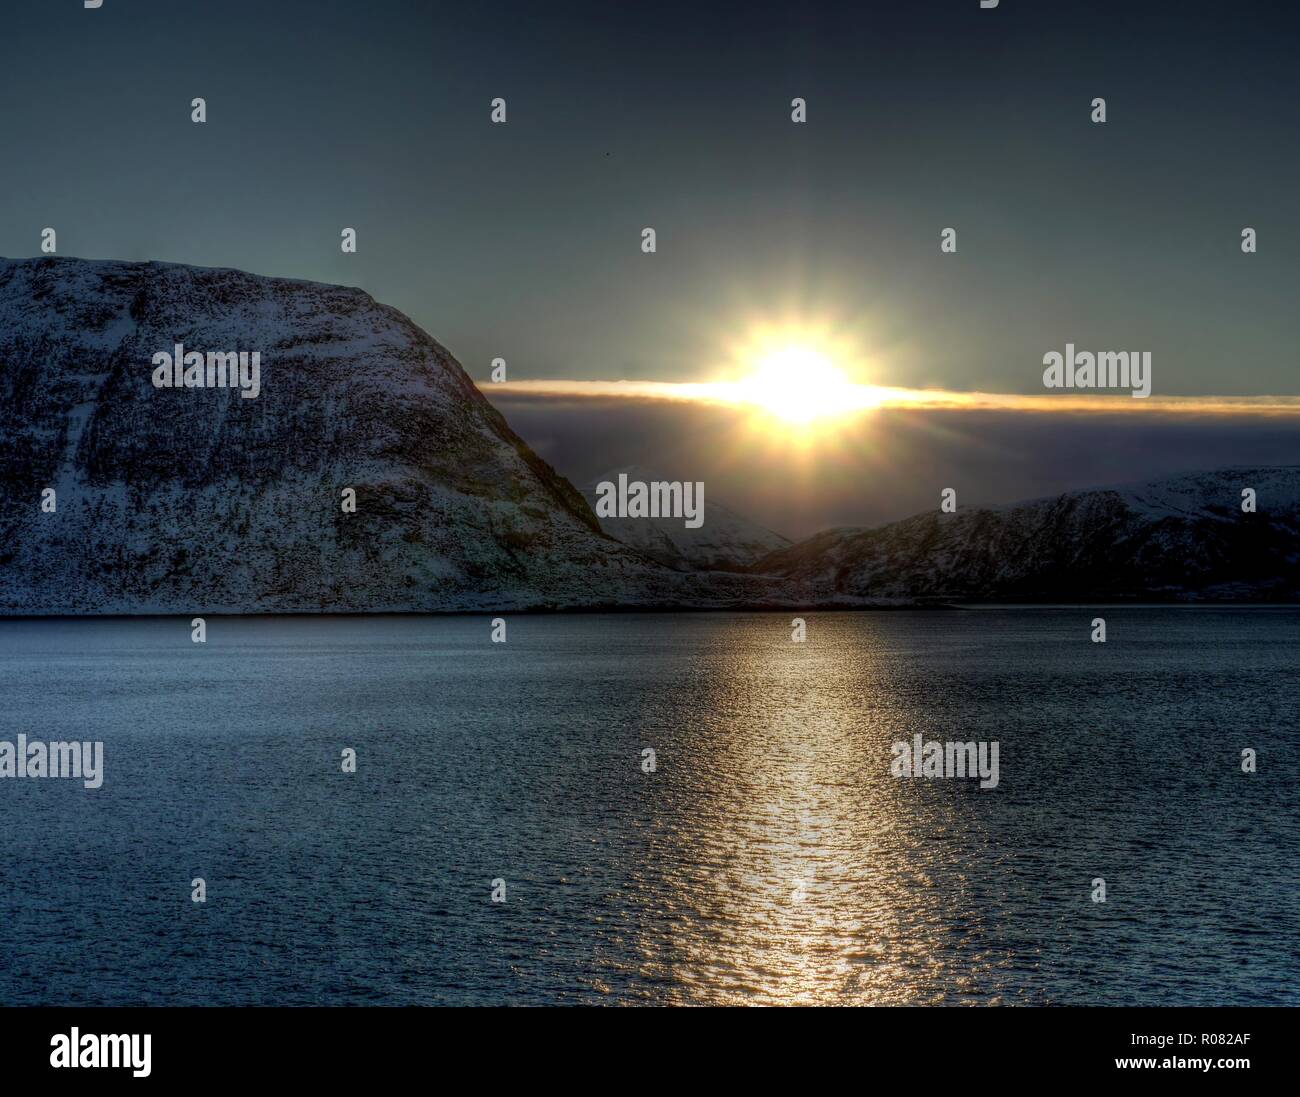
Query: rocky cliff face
197	499
1184	539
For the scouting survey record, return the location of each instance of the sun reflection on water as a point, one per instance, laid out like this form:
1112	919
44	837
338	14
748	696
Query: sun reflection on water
789	852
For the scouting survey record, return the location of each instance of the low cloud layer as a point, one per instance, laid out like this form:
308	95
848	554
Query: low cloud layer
890	462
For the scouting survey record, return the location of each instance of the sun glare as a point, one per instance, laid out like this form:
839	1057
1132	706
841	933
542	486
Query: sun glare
798	385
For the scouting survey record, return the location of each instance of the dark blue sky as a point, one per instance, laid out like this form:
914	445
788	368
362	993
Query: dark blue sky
523	240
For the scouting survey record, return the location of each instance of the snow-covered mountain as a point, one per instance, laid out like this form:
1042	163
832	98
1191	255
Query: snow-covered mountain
1182	538
726	541
197	499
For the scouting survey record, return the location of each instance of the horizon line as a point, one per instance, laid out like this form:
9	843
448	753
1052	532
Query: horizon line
881	397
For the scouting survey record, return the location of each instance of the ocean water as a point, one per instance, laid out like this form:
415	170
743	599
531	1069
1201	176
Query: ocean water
769	858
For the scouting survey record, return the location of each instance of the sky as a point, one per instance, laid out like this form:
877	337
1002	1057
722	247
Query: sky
523	241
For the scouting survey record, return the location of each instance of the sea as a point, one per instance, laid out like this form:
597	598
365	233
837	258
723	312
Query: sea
692	808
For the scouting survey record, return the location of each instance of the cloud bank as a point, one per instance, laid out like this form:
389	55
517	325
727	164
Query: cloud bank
894	459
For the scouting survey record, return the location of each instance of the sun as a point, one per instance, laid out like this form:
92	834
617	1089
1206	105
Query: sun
798	384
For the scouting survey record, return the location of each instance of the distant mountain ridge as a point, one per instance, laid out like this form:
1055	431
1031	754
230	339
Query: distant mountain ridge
1181	538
